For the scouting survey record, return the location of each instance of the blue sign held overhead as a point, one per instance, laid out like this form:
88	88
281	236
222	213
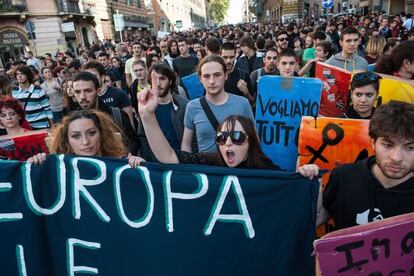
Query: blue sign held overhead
193	86
327	4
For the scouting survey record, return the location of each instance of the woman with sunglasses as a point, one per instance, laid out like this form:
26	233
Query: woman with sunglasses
237	141
362	96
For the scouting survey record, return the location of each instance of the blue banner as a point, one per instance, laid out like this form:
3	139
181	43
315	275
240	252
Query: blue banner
193	86
280	104
77	215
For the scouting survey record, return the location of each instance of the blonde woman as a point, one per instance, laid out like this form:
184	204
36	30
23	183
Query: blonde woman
374	48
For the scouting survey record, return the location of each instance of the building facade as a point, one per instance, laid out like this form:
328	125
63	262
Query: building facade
43	26
286	10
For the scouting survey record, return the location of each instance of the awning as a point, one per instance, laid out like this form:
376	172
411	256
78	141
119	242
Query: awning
136	24
12	37
363	4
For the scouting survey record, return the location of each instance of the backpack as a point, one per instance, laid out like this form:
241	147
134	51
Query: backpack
117	116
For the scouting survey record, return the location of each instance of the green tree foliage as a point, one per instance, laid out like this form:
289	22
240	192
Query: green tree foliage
218	9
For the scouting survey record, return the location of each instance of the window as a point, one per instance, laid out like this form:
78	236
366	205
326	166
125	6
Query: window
139	3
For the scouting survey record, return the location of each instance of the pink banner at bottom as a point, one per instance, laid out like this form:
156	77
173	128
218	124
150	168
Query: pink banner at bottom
379	248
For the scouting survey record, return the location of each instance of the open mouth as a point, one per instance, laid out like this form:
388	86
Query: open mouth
230	156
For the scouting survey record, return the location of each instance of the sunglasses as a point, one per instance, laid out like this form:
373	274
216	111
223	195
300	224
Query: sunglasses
367	76
237	137
283	39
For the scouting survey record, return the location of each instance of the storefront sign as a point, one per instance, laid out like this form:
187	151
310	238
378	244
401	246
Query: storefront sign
68	27
11	37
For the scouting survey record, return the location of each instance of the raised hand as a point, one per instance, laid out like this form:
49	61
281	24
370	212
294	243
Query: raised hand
148	98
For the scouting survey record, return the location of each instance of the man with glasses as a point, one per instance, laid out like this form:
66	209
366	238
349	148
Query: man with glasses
282	40
348	58
137	55
379	186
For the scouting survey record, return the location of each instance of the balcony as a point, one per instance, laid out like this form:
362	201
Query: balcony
13	6
68	7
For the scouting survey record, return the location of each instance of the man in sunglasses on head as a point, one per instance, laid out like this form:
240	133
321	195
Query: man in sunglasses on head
379	186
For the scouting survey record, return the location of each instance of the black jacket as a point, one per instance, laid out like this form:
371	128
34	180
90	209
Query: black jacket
354	196
130	137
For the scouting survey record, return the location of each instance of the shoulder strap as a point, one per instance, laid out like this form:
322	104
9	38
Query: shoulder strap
207	110
27	100
116	112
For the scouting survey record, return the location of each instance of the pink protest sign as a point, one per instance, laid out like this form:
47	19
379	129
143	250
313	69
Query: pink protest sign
379	248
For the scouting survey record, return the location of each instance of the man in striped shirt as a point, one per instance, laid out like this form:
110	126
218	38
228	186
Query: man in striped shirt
33	98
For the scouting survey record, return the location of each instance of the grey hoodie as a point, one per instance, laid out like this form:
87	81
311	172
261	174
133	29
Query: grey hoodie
354	63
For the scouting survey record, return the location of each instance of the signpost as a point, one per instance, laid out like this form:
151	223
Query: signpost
327	4
119	23
179	24
30	28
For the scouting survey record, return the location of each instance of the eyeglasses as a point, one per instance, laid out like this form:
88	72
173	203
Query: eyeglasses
367	76
237	137
283	39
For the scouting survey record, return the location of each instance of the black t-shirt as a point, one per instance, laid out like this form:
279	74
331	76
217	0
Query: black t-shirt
185	66
233	78
114	73
353	196
115	97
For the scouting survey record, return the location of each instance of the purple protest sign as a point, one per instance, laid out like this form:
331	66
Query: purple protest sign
379	248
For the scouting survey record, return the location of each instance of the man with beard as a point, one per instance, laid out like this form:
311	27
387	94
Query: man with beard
86	88
269	68
237	80
169	113
379	186
282	41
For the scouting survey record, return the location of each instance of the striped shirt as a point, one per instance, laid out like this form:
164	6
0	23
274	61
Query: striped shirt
35	104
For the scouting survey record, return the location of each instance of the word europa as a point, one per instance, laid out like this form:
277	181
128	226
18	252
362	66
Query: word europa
79	189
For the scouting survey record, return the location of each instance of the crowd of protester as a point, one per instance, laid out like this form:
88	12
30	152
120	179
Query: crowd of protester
128	99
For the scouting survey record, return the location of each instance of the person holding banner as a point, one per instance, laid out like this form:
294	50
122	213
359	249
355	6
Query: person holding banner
379	186
87	133
363	95
12	117
236	141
